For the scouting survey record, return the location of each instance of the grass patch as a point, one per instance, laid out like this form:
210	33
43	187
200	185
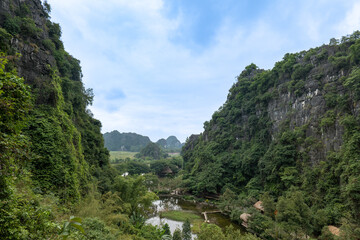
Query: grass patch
121	155
180	216
196	224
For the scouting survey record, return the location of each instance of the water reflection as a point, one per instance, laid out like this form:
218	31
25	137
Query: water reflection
166	204
172	203
173	225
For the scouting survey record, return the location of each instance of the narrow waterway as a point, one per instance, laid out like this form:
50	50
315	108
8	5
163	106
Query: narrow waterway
168	203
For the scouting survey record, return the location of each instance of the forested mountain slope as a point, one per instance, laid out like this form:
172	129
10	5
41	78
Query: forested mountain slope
133	142
153	151
116	141
171	143
66	142
53	164
49	142
294	129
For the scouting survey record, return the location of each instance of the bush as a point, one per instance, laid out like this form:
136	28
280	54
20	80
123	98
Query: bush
5	38
339	62
49	45
12	25
210	232
96	229
21	217
23	10
328	120
353	83
28	28
300	71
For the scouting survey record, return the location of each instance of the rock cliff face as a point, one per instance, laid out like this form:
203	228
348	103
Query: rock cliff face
310	107
35	58
34	8
278	127
65	140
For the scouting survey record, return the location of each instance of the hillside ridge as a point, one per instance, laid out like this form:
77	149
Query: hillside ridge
133	142
289	131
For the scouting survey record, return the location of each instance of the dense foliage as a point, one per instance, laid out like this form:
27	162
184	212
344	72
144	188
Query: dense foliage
66	142
52	156
291	133
153	151
16	210
289	136
118	214
213	232
165	167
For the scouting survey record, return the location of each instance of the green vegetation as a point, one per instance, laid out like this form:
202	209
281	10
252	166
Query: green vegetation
153	151
132	142
213	232
304	167
146	162
177	234
74	223
53	163
22	24
181	216
186	230
15	103
167	184
121	156
162	168
166	167
171	144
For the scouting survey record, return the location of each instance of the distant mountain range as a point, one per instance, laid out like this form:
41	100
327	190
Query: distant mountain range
133	142
116	141
170	143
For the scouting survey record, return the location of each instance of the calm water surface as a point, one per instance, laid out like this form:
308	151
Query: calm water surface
167	203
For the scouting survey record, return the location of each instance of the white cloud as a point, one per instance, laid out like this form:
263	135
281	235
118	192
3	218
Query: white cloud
170	89
351	21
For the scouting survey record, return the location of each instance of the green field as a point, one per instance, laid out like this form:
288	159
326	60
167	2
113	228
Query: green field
121	155
180	215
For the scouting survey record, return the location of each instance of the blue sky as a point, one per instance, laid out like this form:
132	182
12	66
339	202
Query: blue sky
162	67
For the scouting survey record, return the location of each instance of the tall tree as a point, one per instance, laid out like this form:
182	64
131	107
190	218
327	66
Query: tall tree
186	230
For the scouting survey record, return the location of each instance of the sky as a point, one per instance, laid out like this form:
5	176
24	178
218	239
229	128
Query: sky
163	67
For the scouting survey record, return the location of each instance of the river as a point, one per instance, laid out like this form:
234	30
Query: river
167	203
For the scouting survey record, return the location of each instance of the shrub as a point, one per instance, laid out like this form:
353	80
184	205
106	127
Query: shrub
328	120
28	28
300	71
339	62
23	10
12	25
5	38
96	229
49	45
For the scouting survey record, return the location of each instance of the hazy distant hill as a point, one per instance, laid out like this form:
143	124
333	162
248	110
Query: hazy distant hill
171	143
152	150
133	142
116	141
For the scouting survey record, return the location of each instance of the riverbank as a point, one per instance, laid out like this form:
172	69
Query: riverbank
190	198
179	215
175	210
